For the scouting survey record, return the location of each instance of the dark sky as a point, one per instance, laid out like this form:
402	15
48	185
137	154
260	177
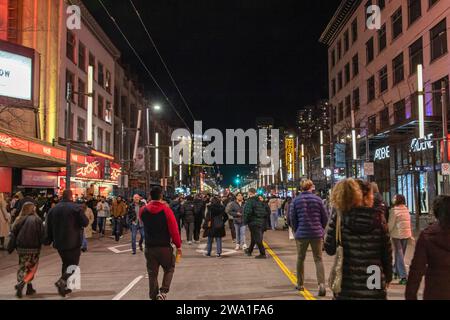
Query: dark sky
234	60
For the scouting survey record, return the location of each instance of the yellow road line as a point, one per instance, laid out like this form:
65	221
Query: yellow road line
306	294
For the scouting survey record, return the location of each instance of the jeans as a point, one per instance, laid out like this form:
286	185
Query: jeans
84	242
101	223
218	245
302	248
274	220
135	228
117	228
198	227
189	227
257	238
400	246
159	257
240	233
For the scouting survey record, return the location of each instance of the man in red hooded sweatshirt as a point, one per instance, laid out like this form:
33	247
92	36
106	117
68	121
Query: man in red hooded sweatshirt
161	231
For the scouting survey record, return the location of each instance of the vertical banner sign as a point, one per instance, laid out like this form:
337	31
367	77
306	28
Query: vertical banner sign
290	156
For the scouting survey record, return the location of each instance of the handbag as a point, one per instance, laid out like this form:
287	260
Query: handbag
335	279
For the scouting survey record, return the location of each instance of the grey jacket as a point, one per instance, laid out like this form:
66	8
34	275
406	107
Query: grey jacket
232	209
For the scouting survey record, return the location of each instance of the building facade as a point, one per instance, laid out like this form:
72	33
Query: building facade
373	86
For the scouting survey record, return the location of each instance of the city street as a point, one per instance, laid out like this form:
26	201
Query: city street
109	271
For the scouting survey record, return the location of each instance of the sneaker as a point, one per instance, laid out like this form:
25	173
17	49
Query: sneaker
161	296
218	256
322	290
30	290
244	247
238	247
61	286
395	276
300	288
207	254
403	282
19	290
190	243
261	256
248	253
133	253
83	249
234	241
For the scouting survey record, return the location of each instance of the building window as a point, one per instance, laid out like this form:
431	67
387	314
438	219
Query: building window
370	89
383	79
369	51
397	23
108	81
335	115
398	69
333	87
108	142
437	96
99	139
333	58
415	55
348	106
101	75
399	111
341	112
92	62
347	73
339	80
81	56
438	36
108	112
356	102
366	8
384	118
100	106
382	38
355	65
81	92
339	50
346	41
354	30
382	4
432	3
70	78
414	10
70	46
81	128
372	124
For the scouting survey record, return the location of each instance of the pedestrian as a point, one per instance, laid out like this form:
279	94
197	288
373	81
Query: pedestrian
309	218
254	216
188	214
267	219
215	226
400	231
161	232
29	197
432	256
175	205
28	231
135	223
92	203
235	209
379	203
274	205
103	212
5	220
119	210
199	210
365	241
87	234
64	225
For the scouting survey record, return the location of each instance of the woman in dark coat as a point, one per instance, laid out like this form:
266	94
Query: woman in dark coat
214	226
432	257
367	262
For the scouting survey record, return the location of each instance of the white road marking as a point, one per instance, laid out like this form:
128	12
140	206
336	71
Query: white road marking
128	288
116	250
225	252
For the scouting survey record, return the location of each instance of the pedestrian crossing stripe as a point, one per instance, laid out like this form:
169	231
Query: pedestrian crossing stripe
306	294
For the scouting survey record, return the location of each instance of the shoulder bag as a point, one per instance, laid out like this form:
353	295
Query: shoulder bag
335	279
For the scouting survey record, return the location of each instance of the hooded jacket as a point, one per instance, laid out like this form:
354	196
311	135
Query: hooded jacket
432	260
160	225
400	223
366	243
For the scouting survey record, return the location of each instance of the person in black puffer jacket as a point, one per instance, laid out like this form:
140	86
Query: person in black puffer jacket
215	226
188	214
29	232
365	239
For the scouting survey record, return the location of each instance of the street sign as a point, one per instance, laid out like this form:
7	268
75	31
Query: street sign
369	169
445	169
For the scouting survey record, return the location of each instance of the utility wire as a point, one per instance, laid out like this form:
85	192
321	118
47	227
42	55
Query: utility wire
143	63
161	58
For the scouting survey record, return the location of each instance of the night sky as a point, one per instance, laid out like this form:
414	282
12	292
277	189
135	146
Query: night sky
232	60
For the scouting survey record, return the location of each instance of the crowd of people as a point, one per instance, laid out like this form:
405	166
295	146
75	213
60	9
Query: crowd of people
355	225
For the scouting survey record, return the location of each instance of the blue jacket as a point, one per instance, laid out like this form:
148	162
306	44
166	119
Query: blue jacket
309	216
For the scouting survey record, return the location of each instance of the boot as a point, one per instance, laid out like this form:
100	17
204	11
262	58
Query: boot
19	289
61	286
30	290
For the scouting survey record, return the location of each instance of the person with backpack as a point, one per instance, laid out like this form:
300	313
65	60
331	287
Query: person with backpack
254	216
215	226
188	214
28	233
199	210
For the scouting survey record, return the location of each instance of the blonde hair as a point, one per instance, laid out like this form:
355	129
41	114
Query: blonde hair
2	198
306	184
28	209
346	195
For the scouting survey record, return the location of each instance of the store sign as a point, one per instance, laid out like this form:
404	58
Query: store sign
39	179
418	145
6	180
290	157
16	76
382	153
37	149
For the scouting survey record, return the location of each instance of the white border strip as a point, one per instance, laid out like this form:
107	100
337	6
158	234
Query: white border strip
128	288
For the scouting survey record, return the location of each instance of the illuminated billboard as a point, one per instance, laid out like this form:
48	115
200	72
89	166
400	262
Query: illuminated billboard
289	147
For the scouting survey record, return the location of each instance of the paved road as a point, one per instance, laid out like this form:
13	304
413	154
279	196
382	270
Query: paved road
110	271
